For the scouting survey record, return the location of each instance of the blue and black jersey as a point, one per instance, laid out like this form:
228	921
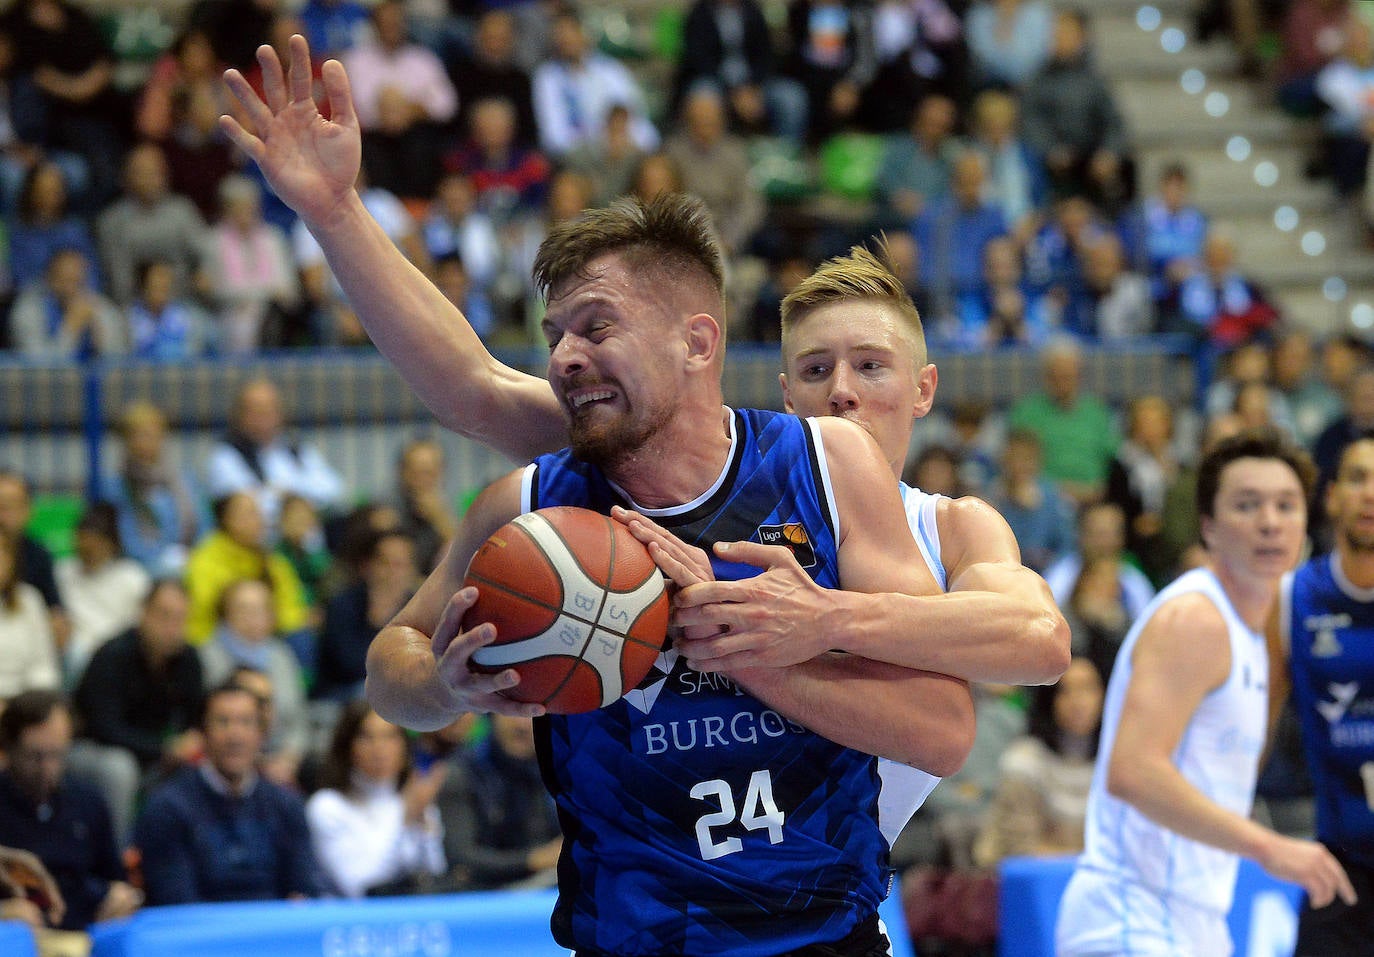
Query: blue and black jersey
697	820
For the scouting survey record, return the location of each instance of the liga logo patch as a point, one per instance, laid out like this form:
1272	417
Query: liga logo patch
791	536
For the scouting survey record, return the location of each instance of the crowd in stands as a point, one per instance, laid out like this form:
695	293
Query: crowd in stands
197	662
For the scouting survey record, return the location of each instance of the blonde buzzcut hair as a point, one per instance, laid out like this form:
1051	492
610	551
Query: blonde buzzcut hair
861	275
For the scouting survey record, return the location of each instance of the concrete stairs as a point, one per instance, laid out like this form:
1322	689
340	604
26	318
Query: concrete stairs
1186	102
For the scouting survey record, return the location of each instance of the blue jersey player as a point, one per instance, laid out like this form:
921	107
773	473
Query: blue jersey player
1326	623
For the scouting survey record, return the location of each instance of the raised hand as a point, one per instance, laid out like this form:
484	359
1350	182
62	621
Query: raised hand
311	162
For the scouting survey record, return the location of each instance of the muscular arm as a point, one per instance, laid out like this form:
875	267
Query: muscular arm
312	164
1181	657
417	666
997	622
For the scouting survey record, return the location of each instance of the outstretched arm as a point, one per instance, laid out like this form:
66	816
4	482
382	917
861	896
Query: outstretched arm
313	164
417	666
996	623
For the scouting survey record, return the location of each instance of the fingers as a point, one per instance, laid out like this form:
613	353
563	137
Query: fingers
340	94
753	553
677	570
300	78
1344	889
250	144
451	621
273	80
480	691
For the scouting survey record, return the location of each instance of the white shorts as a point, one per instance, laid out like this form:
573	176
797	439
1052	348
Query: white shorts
1104	916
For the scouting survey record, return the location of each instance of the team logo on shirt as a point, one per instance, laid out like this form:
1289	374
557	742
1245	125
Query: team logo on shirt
1342	695
1323	628
793	537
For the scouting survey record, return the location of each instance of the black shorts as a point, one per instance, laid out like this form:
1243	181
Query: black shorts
865	940
1339	930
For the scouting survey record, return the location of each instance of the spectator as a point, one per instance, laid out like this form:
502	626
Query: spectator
936	469
456	227
42	226
35	564
199	156
1042	796
148	222
29	657
139	701
373	823
1140	476
257	457
1003	310
427	515
657	173
22	121
1346	87
1168	232
1356	418
1313	403
1057	251
165	325
500	827
1016	180
249	272
236	28
920	52
402	97
1246	365
1039	514
303	544
953	232
1096	612
451	279
23	876
1071	120
1116	306
832	55
1008	40
101	588
354	616
60	49
715	168
60	317
219	831
727	48
1101	537
59	818
158	508
245	637
508	180
492	71
1220	304
191	62
1313	35
915	169
610	160
236	549
1076	430
575	89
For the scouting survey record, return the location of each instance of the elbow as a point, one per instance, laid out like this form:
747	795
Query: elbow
1056	645
1124	779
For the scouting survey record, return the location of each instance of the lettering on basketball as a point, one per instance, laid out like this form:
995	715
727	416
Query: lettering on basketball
585	602
758	812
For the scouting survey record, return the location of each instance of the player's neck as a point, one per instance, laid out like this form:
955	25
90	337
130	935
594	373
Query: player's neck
678	464
1250	595
1357	565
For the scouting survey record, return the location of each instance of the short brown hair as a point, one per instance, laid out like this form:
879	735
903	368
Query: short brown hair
1262	443
661	239
860	275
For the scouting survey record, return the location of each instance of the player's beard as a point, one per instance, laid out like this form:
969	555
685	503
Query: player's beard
610	444
1358	543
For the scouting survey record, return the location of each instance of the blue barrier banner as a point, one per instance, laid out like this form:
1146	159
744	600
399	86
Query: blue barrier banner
16	940
1263	920
501	924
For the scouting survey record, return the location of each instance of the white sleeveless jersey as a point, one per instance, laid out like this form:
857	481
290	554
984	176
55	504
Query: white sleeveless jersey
1218	754
904	788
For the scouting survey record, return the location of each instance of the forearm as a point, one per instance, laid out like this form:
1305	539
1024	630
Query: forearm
974	635
1159	791
923	720
403	683
431	343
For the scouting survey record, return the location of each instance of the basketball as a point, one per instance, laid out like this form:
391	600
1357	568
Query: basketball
580	609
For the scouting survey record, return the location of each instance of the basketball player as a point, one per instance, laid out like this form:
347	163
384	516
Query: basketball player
1183	727
706	822
1325	623
853	347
